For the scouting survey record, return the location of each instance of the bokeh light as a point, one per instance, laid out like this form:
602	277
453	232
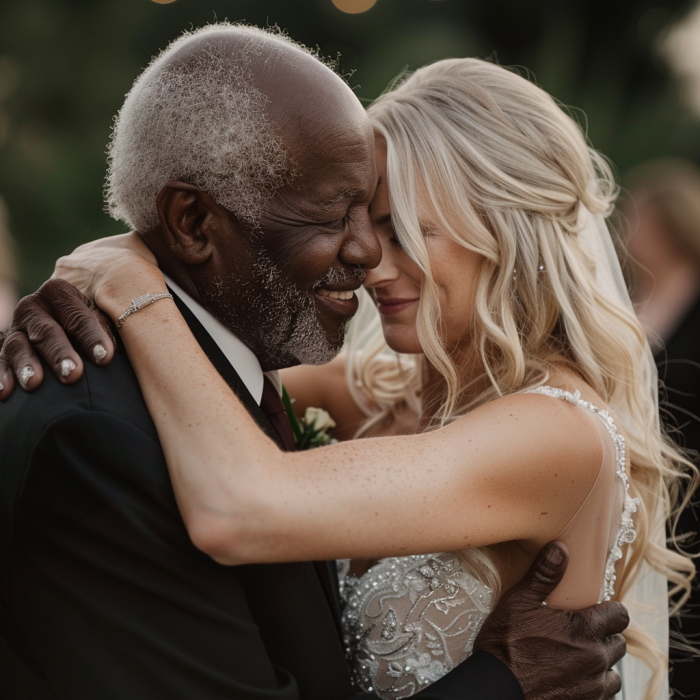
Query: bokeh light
354	7
163	2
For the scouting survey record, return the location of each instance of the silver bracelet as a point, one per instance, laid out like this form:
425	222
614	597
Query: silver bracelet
138	304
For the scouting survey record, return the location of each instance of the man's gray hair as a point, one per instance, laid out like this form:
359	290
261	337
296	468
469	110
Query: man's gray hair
200	120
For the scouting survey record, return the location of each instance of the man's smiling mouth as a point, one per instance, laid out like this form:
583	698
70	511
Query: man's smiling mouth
343	302
335	293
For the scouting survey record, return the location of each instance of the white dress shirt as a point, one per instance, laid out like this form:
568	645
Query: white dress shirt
241	357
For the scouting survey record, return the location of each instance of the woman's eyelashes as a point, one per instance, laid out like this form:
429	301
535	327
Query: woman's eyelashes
394	239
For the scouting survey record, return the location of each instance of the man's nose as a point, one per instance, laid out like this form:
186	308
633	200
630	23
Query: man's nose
361	247
385	273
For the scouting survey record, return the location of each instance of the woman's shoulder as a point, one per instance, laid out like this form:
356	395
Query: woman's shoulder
542	430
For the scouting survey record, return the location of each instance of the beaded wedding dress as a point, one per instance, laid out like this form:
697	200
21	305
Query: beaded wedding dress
409	620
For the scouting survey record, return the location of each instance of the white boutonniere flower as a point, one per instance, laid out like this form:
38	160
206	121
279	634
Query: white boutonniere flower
318	419
312	429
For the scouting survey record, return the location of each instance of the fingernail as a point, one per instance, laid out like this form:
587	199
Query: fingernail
556	555
99	353
67	366
25	374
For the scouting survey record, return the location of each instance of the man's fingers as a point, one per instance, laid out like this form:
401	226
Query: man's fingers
613	684
606	619
543	577
85	325
47	339
616	649
100	348
7	379
23	361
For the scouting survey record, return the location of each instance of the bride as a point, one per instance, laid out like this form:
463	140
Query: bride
506	397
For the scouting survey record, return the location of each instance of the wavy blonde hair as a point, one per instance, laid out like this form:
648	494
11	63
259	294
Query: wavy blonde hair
504	171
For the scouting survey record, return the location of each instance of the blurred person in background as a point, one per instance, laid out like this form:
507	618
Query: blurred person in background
8	293
664	212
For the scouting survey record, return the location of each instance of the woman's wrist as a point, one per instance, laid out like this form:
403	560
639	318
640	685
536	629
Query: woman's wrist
128	282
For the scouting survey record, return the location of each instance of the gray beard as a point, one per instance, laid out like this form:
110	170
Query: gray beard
274	318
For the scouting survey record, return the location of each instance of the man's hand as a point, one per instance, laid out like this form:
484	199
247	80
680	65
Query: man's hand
554	653
58	324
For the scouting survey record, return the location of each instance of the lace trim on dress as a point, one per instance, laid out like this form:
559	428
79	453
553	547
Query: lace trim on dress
410	620
626	533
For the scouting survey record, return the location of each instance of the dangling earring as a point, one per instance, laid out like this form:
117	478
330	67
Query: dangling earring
540	268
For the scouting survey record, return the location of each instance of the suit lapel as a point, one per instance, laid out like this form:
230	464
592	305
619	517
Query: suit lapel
225	369
326	570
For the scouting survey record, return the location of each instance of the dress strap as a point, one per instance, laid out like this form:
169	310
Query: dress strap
626	533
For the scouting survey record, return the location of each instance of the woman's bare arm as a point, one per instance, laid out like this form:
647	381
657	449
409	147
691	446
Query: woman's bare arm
515	469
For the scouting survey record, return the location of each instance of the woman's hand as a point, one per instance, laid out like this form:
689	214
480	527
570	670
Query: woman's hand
103	269
60	323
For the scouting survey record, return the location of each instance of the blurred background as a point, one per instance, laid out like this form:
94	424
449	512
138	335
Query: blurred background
65	66
629	70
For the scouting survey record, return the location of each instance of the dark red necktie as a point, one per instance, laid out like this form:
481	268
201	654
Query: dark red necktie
272	406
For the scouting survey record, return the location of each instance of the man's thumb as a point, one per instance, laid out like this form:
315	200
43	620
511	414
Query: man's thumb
544	575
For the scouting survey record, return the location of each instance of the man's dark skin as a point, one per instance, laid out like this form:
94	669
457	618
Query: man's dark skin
316	222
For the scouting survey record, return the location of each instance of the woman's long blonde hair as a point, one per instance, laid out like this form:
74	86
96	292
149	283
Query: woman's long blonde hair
504	171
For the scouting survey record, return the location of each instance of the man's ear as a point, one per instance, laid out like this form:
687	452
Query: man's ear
190	220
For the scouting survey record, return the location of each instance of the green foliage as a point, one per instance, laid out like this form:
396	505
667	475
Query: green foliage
65	66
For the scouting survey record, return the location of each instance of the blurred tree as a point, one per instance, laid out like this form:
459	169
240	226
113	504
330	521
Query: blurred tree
65	66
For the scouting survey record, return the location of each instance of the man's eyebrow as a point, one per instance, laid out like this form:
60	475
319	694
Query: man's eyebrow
345	193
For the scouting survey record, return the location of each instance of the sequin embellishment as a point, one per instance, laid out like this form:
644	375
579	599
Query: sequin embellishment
410	620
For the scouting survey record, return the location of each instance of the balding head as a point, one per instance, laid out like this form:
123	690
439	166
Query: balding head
232	109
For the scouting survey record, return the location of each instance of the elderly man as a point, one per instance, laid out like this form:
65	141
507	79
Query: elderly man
246	165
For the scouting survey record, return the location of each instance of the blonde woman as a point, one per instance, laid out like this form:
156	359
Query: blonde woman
518	406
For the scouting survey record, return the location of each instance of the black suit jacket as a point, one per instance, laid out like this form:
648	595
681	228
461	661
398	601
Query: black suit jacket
102	594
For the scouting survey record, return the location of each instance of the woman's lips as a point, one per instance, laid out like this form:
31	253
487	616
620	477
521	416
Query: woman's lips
389	307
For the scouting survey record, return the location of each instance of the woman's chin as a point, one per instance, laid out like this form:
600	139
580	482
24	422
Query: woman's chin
402	341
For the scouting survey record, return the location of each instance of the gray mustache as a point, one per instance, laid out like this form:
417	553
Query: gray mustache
337	275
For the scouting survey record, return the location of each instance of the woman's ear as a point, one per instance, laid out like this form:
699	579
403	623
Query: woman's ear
190	219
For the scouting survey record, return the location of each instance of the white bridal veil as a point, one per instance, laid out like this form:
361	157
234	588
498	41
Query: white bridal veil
647	599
